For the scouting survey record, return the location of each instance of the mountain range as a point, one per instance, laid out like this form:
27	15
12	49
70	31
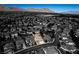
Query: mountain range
4	8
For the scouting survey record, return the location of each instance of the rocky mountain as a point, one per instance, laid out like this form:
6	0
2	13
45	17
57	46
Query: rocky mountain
39	10
3	8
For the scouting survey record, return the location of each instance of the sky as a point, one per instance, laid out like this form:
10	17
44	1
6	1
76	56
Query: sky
53	7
